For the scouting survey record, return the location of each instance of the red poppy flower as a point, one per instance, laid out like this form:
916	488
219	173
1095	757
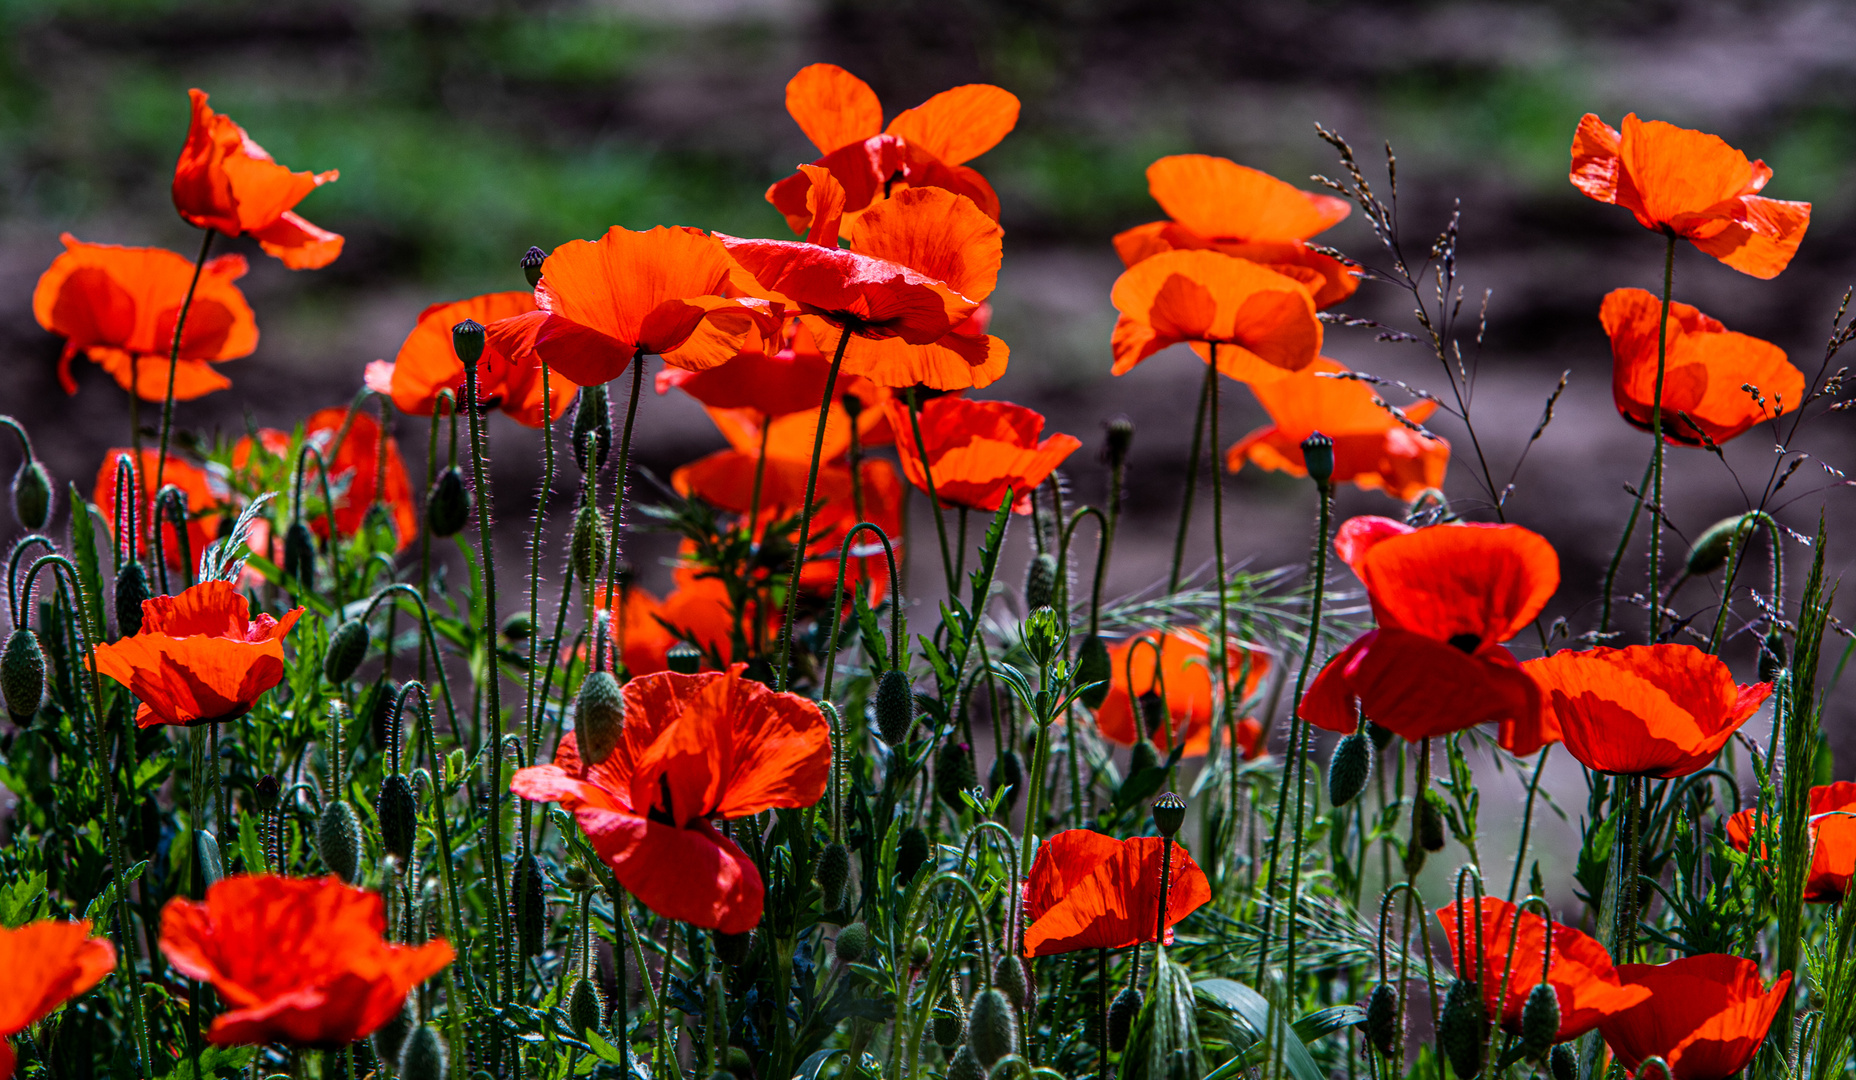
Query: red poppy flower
1264	323
1090	891
700	611
47	964
672	291
978	451
200	657
1223	206
1647	710
224	181
1833	834
508	376
1251	739
1186	683
694	747
637	637
1706	1015
1581	973
779	376
1706	368
354	471
1693	185
203	493
1371	448
118	305
299	961
1445	598
927	146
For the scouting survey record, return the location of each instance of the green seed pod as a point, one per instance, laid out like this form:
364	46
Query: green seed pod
593	416
1169	812
529	903
338	841
599	717
1715	546
1118	436
1540	1021
131	590
467	340
1349	769
920	952
1121	1014
684	658
299	553
732	949
1092	666
423	1056
531	265
447	506
1772	657
1318	458
964	1065
1011	1065
911	853
1008	775
586	1007
517	627
390	1038
588	551
832	871
853	943
949	1023
1008	974
1563	1063
895	706
347	648
1153	711
1461	1028
1382	736
32	496
1040	581
1430	824
992	1027
399	816
22	674
954	773
1145	755
1384	1024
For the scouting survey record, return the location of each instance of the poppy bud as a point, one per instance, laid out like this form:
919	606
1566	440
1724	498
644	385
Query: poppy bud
1318	458
517	627
593	416
299	553
732	949
347	647
1461	1028
22	674
992	1027
467	342
920	952
1145	755
531	909
1040	581
1169	814
1385	1027
599	717
954	773
1092	666
1008	775
1382	736
853	943
389	1038
1430	823
1045	634
1772	659
531	265
911	853
399	815
423	1056
1153	711
575	877
1540	1021
1121	1016
1118	435
964	1065
1713	548
895	706
448	505
949	1023
1008	974
683	658
32	495
832	871
586	1007
588	552
1563	1063
131	590
338	841
1349	769
266	790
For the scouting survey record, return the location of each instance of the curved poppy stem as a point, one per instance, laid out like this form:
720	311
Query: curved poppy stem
1104	537
898	660
782	674
180	327
1617	556
172	501
20	615
934	500
1744	534
1527	822
431	643
1012	868
972	896
1656	434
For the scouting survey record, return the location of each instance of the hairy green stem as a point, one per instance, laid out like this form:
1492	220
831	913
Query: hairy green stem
782	673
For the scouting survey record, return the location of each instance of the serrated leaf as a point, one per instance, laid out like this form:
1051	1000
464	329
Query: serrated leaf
84	554
107	897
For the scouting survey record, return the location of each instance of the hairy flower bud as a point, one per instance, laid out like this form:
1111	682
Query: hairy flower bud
1169	814
347	647
423	1057
1349	769
588	551
266	790
1318	457
1461	1028
1008	974
1384	1024
32	495
593	416
1040	581
954	773
1144	755
1540	1021
1092	666
992	1026
683	658
1121	1014
949	1023
964	1065
131	590
338	841
1117	437
447	506
1714	547
911	853
1045	635
1153	711
853	943
531	265
390	1038
1563	1063
599	717
527	898
1772	658
300	554
1430	823
895	706
586	1007
920	952
398	814
22	674
832	871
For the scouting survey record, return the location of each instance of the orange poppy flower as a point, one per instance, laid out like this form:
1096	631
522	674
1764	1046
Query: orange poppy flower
224	181
1706	1015
1090	891
1251	740
670	290
1445	598
638	638
1646	710
200	657
1220	205
508	375
1186	683
118	305
909	290
1833	834
47	964
1581	973
203	492
700	611
299	961
777	377
1691	184
694	747
979	451
353	471
1706	367
1263	322
1371	448
927	146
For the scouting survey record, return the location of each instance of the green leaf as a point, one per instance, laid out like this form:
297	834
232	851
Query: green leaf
1331	1019
21	899
211	1059
250	847
107	897
812	1066
1254	1012
84	554
212	867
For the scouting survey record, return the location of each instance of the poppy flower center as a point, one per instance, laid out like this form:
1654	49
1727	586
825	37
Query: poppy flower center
664	809
1467	643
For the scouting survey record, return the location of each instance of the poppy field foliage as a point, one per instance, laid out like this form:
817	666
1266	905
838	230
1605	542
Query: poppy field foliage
290	794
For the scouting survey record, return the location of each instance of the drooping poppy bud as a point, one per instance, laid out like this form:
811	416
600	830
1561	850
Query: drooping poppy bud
299	553
911	853
599	717
588	551
949	1023
1121	1014
1169	814
390	1038
920	952
1714	547
32	495
448	506
338	841
531	265
1153	711
1144	755
1118	437
347	647
1092	666
531	910
1040	581
1349	769
467	341
683	658
399	815
131	589
1462	1026
1772	658
1430	823
593	416
1540	1021
1563	1063
517	627
1318	458
1008	974
853	943
964	1065
992	1026
423	1057
1385	1027
895	706
22	674
267	789
1008	775
833	874
954	774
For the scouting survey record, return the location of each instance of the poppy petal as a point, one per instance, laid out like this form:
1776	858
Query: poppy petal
1222	200
297	243
1487	581
937	233
1179	296
959	125
832	106
1418	687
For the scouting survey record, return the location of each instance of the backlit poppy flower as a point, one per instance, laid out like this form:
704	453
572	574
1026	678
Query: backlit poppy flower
1706	370
226	182
1090	891
1263	323
700	611
781	376
978	451
47	964
927	146
355	470
200	657
118	306
694	747
672	291
203	493
1646	710
508	376
1706	1015
1185	682
1221	205
637	636
1251	743
1833	834
1371	448
1581	973
1693	185
297	961
1445	597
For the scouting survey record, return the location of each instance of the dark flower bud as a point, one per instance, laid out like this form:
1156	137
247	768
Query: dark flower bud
1772	658
1118	436
517	627
448	505
32	495
527	898
895	706
684	658
1714	547
949	1022
1040	581
338	841
1008	974
575	877
1430	823
832	872
467	342
586	1007
347	647
853	406
954	773
1169	814
732	949
1384	1024
911	853
1121	1014
964	1065
300	553
22	674
992	1027
1145	755
399	816
131	590
1008	775
853	943
1382	736
920	952
588	551
593	416
423	1056
1153	711
1540	1021
1563	1063
390	1038
1461	1028
1318	458
531	265
599	717
266	790
1092	666
1349	769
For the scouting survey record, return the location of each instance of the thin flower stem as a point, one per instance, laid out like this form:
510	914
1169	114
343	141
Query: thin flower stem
531	712
783	673
180	327
1220	654
1656	434
616	548
934	502
1527	821
1617	556
1192	482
